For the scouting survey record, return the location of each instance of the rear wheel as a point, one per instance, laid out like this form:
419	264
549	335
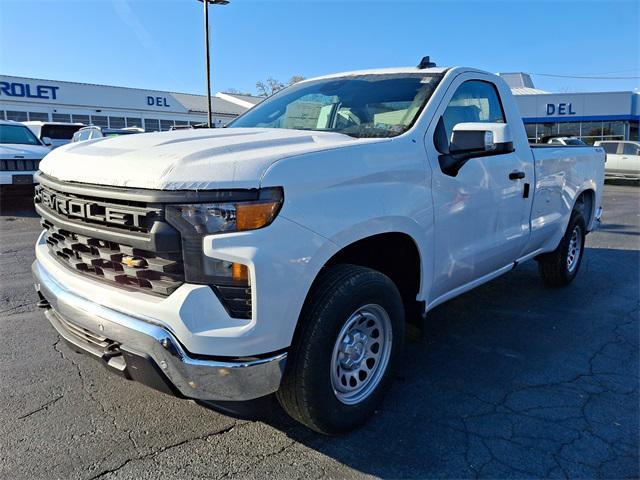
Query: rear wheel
351	332
561	266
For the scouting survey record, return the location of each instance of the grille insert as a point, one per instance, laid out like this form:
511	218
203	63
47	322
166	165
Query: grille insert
19	165
116	263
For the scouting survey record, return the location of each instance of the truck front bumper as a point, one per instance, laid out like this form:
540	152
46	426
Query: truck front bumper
149	353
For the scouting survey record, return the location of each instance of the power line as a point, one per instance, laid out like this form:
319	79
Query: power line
583	77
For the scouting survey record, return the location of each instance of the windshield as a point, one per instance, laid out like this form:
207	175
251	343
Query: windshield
360	105
17	134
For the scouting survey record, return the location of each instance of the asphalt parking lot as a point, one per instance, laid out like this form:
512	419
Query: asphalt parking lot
511	380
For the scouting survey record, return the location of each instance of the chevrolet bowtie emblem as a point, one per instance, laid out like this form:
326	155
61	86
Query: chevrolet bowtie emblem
132	262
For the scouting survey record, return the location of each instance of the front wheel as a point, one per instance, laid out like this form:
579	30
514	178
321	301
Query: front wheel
350	335
561	266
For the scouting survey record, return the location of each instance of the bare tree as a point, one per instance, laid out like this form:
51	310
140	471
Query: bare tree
271	85
296	79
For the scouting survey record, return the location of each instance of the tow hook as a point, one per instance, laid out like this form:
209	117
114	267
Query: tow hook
42	302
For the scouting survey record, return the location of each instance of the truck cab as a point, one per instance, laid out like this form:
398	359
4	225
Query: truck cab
287	252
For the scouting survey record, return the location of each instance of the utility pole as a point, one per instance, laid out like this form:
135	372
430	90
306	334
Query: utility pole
206	49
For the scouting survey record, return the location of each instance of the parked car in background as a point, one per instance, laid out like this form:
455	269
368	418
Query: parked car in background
20	155
566	141
54	134
286	252
92	132
623	158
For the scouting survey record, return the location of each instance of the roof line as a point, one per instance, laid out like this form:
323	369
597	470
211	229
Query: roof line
103	85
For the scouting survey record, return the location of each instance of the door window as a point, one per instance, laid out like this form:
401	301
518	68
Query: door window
474	101
610	147
630	149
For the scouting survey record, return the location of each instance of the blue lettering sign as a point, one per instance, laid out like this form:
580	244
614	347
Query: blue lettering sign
16	89
157	101
560	108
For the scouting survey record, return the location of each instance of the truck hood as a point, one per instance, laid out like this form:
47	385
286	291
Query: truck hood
9	151
199	159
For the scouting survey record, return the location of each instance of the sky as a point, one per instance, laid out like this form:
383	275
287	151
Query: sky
158	44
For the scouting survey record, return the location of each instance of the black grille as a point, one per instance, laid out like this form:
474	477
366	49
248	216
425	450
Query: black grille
235	299
116	263
19	165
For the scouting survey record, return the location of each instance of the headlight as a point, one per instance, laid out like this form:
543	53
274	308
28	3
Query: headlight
195	221
209	218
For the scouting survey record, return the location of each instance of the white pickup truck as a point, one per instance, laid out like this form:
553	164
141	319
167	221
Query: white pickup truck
286	252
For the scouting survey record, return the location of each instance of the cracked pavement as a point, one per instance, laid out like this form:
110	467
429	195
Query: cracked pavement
511	380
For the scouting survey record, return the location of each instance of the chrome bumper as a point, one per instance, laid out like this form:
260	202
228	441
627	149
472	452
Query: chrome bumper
150	353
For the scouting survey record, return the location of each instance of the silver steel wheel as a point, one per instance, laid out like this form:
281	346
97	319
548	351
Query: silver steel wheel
361	354
575	249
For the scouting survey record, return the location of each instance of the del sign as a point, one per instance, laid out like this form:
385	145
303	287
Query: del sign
560	109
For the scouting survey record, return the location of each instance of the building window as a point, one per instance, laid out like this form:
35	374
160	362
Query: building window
84	119
134	122
544	129
531	132
1	114
634	128
182	122
570	129
166	125
151	124
197	123
116	122
613	129
99	121
591	129
17	116
38	116
61	117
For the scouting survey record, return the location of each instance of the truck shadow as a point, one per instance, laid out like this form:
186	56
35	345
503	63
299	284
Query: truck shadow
491	388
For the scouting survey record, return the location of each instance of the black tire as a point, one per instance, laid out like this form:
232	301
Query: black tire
307	393
554	267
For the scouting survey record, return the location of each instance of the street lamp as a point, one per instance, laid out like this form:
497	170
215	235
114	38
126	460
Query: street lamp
206	48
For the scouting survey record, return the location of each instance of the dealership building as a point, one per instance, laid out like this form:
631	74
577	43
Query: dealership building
23	99
591	116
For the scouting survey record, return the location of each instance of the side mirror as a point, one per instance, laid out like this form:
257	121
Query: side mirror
475	139
47	141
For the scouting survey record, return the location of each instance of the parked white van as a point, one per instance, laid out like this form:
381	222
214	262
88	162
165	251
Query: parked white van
54	134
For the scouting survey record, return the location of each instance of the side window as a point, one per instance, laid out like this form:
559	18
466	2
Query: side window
630	149
474	101
610	147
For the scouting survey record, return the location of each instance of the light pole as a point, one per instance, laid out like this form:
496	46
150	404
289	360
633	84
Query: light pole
206	48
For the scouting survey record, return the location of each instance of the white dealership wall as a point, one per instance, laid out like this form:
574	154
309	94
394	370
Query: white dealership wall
24	99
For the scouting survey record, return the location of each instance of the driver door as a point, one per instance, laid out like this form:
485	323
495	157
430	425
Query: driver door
481	216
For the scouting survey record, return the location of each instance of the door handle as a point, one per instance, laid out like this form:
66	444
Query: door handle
516	175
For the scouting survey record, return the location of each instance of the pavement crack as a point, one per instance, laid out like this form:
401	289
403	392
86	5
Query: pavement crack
164	449
41	408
